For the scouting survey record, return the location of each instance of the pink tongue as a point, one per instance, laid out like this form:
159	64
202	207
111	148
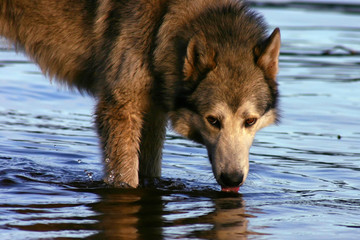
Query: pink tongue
230	189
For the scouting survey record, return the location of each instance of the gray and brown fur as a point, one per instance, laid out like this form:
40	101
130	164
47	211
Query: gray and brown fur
207	65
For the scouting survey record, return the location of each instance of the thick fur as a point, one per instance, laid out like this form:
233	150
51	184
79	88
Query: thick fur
208	65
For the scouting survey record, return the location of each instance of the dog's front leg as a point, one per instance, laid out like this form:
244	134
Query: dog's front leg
119	123
152	138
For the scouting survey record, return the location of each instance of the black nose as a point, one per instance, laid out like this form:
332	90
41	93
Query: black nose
233	179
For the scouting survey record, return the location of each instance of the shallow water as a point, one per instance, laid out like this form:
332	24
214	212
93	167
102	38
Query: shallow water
304	180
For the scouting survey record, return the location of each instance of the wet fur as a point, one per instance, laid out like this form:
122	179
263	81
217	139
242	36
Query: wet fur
146	61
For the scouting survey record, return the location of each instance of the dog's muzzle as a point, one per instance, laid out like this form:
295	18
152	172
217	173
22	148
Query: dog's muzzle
231	182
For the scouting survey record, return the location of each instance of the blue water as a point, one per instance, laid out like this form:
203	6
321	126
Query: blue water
304	180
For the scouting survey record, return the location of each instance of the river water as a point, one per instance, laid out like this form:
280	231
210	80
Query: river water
304	180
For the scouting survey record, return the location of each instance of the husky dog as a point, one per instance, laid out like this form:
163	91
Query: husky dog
207	65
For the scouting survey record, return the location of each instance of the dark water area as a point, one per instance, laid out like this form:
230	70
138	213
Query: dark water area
304	180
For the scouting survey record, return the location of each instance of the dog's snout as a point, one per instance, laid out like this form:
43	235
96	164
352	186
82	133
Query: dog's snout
233	179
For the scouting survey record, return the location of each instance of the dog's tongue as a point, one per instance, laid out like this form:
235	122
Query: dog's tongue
230	189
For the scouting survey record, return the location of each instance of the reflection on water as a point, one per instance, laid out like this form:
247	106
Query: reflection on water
157	214
304	174
107	213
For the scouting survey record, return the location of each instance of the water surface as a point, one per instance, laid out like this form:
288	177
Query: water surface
304	180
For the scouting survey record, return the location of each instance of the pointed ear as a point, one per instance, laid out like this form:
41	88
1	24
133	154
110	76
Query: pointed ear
267	55
199	58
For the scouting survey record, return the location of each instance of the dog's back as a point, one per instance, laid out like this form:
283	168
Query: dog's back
56	34
77	42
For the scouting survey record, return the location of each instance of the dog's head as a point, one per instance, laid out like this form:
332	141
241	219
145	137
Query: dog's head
226	91
227	99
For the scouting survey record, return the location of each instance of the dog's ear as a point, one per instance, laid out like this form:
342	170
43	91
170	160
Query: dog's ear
267	55
199	58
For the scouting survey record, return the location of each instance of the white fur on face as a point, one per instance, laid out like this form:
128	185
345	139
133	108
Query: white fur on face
229	146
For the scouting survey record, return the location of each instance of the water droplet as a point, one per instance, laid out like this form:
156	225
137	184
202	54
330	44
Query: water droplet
107	160
110	178
79	160
90	175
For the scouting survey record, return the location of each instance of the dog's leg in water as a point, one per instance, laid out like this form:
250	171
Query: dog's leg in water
152	138
119	123
132	133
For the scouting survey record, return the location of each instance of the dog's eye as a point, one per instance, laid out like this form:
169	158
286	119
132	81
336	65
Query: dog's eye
250	121
214	121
